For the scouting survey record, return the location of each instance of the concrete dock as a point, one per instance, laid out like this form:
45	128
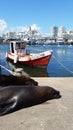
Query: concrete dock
54	114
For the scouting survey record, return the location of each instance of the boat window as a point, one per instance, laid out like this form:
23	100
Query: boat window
18	46
22	46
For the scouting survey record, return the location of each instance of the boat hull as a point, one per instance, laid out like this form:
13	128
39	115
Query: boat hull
40	62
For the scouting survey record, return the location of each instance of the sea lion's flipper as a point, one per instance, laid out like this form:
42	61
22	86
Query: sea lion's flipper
8	108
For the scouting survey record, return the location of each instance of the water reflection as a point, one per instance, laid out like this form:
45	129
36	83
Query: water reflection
20	69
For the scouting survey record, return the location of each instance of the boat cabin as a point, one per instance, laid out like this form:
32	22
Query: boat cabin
18	47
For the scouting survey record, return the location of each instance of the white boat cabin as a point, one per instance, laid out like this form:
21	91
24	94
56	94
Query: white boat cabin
18	47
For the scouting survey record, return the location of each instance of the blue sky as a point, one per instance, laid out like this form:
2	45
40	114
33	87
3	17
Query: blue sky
43	13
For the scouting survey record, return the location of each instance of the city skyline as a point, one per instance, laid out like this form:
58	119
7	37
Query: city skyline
17	15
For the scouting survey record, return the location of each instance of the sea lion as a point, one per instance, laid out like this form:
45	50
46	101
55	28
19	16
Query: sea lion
13	98
6	80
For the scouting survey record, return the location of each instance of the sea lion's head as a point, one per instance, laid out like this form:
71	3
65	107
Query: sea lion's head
30	81
53	93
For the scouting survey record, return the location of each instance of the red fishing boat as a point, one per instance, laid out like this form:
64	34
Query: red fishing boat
18	53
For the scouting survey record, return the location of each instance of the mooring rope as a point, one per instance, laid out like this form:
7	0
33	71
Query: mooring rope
6	69
62	65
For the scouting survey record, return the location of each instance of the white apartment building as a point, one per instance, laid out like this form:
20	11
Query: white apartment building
61	31
54	31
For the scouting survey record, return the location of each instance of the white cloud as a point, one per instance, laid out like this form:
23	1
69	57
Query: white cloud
35	27
3	25
18	29
24	28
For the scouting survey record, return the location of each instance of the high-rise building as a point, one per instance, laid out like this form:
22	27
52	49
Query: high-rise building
61	31
54	31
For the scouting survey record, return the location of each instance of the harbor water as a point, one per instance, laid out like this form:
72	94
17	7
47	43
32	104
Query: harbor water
60	65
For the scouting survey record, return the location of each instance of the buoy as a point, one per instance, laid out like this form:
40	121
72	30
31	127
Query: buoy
64	51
